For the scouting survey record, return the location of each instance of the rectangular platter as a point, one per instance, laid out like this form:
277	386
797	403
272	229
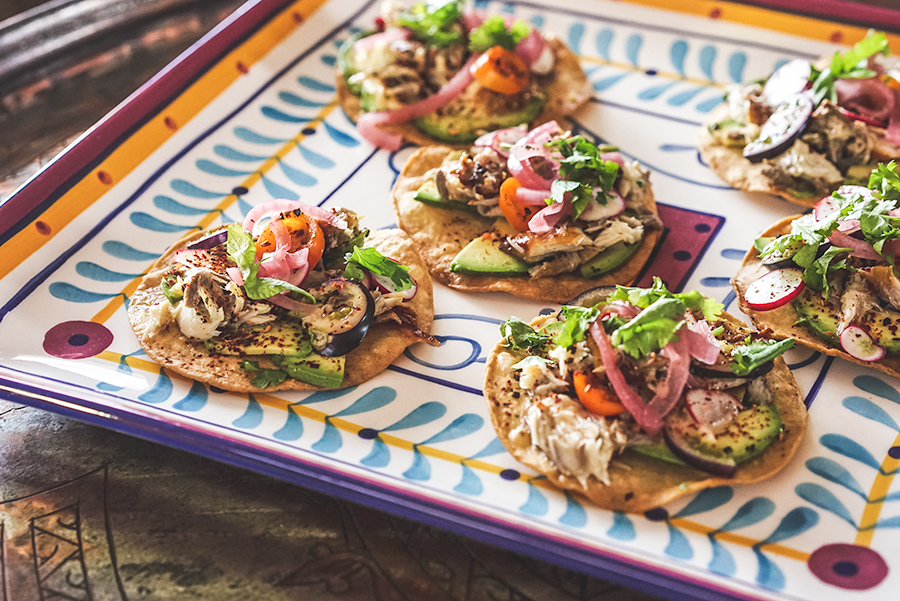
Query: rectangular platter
250	114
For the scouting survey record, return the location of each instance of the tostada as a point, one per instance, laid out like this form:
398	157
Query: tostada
541	214
828	279
633	397
439	72
809	128
294	298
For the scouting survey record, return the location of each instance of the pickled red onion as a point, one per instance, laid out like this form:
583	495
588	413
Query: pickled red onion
291	305
646	418
530	196
368	122
861	248
387	37
669	390
701	344
273	208
549	217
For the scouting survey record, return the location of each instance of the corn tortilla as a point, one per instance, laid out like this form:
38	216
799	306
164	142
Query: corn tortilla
639	483
382	345
441	233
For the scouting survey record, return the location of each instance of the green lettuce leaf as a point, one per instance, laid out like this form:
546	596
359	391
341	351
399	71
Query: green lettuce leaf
519	335
377	263
576	324
242	251
432	22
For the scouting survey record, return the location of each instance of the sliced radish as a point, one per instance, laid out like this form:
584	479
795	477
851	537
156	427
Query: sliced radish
859	344
501	139
384	284
774	289
713	409
826	207
595	211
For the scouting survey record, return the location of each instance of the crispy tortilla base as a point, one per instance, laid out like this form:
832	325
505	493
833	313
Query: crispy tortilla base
566	91
639	483
442	233
728	162
781	320
381	346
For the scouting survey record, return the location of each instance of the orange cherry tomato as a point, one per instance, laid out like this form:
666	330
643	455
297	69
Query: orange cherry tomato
595	398
304	232
501	70
516	212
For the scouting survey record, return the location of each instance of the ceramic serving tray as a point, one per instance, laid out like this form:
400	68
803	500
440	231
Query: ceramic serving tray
250	114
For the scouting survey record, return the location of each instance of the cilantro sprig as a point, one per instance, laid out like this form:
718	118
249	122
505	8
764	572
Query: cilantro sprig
870	207
752	354
494	32
372	260
583	173
432	22
848	65
519	335
242	250
644	297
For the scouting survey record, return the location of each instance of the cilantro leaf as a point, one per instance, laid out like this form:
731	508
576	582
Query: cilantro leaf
816	275
652	329
265	377
530	360
884	180
848	65
577	322
749	356
644	297
372	260
432	22
585	174
520	335
242	250
493	32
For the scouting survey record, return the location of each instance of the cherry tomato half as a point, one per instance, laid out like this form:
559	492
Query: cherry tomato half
500	70
304	232
516	212
594	396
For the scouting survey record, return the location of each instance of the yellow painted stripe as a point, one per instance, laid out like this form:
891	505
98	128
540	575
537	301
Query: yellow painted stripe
807	27
124	159
281	404
880	487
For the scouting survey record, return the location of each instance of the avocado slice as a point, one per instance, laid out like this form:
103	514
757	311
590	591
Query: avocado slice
608	259
463	127
327	372
746	437
482	256
820	316
884	328
428	193
657	450
274	338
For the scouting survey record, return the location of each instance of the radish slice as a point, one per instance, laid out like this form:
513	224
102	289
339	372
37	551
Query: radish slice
387	286
826	207
774	289
713	409
596	211
860	345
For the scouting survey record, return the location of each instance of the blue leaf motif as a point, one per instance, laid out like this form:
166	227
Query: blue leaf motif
161	390
494	447
576	33
151	223
707	59
849	448
536	504
315	85
575	516
769	576
195	399
736	63
99	273
248	135
379	456
252	416
869	410
292	428
371	401
470	483
633	48
706	500
421	415
331	440
678	546
878	387
751	512
279	191
722	562
622	528
188	189
227	152
824	499
834	472
461	426
677	53
339	136
74	294
420	469
207	166
796	522
603	41
120	250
